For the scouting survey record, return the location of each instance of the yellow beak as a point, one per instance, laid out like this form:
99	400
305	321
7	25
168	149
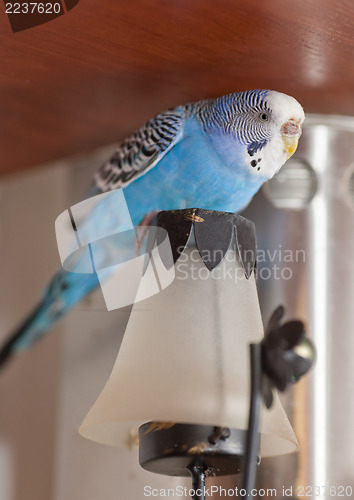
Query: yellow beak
290	144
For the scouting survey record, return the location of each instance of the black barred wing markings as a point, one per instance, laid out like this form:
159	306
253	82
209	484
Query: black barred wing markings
140	152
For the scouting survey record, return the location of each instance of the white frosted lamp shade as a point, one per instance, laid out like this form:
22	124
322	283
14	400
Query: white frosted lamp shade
185	358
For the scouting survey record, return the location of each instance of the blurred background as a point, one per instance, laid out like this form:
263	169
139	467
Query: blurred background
70	89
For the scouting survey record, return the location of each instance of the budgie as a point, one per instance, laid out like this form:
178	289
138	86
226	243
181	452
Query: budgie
212	154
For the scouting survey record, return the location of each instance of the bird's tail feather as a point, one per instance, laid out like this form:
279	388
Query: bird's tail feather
63	292
66	289
8	347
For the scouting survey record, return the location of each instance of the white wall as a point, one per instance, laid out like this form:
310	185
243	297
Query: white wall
29	385
46	392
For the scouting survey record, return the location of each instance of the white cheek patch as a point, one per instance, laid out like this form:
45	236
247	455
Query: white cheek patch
269	160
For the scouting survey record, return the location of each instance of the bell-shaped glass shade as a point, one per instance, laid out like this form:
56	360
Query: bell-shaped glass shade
185	358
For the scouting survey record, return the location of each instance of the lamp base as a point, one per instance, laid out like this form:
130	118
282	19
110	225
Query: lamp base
174	449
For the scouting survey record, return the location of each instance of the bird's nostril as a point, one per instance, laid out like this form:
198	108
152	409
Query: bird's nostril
291	128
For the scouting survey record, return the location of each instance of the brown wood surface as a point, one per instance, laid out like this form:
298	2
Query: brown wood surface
94	74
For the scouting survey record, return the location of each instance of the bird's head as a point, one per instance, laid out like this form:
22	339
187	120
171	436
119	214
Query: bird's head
286	117
267	123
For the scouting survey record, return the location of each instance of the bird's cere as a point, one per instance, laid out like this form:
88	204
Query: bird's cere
292	127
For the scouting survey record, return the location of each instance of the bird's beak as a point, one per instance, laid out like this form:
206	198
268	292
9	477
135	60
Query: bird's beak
291	132
290	144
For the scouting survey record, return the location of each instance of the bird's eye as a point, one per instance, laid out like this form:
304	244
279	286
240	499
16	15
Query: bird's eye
264	117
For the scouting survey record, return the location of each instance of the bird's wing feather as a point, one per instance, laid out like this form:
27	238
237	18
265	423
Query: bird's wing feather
140	152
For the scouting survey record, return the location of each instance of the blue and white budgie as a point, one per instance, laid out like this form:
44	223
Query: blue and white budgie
213	154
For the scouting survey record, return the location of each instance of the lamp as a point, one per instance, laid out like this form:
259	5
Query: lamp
182	372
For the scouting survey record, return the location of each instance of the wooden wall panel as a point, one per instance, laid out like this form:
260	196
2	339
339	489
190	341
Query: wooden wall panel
96	73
